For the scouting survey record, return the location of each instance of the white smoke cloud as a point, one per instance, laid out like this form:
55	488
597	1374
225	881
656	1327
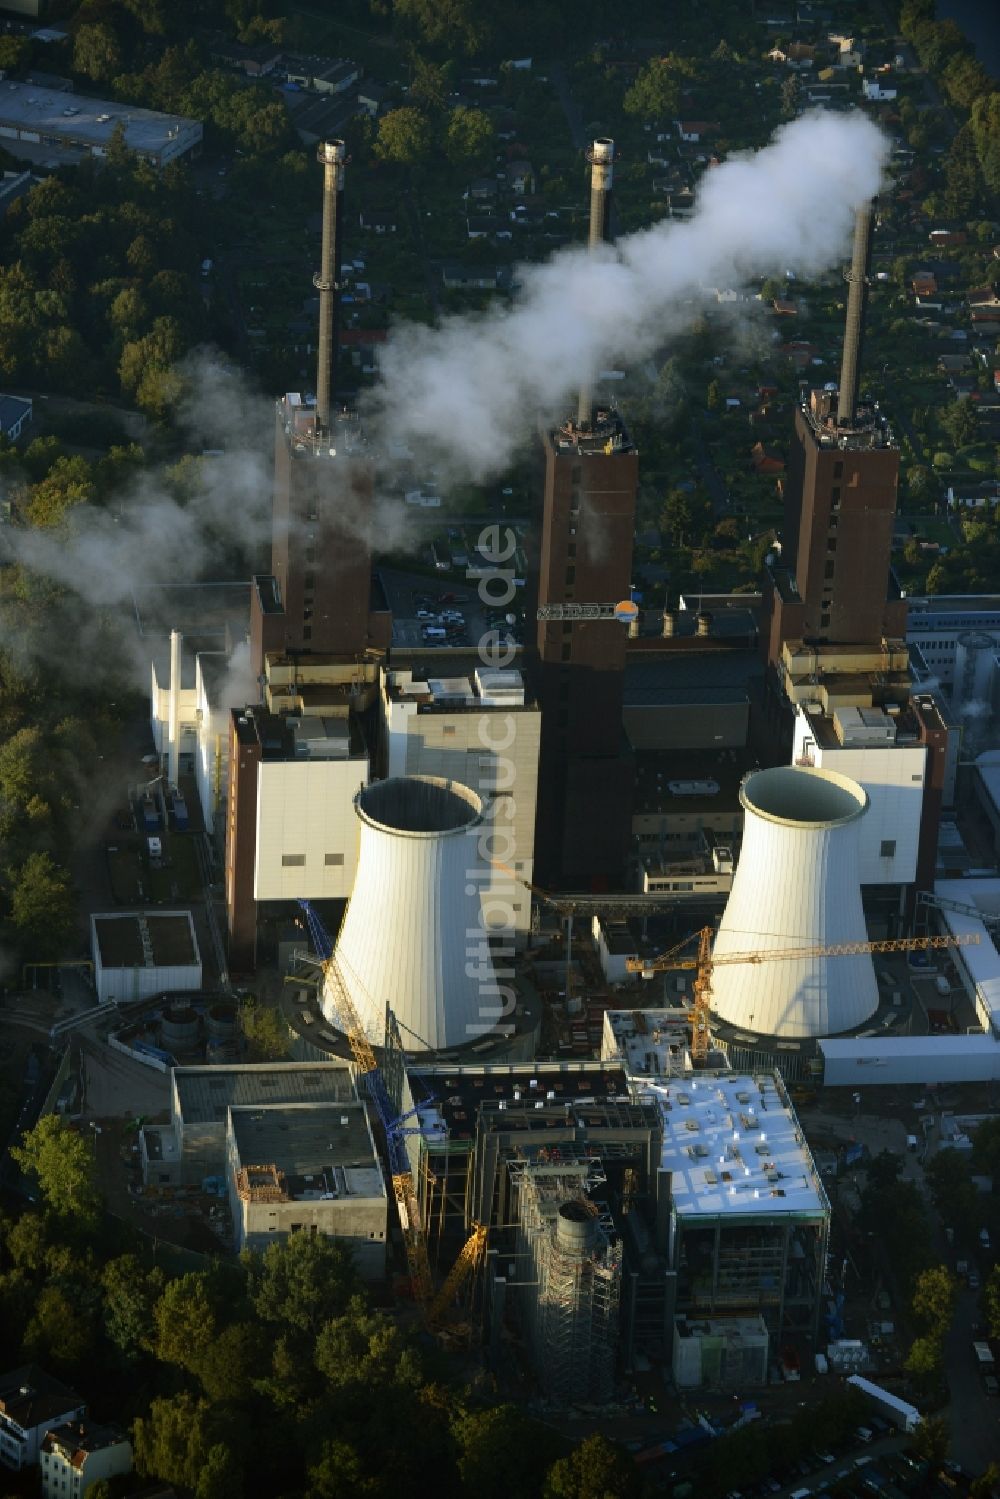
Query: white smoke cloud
466	394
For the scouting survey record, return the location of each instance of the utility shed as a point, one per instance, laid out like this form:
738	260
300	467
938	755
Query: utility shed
141	953
307	1168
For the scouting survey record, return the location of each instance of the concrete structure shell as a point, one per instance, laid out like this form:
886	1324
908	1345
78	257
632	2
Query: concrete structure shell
796	885
412	935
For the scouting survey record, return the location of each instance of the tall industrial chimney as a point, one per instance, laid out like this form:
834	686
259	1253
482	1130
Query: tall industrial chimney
332	155
601	157
857	299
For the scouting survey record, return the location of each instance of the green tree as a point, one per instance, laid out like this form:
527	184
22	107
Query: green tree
59	1331
655	94
366	1349
339	1473
960	422
431	84
265	1031
228	1364
789	96
597	1469
931	1440
986	135
96	51
175	1440
501	1451
302	1283
677	516
68	483
130	1297
186	1320
469	139
42	907
986	1149
991	1301
713	397
458	25
404	137
986	1485
62	1162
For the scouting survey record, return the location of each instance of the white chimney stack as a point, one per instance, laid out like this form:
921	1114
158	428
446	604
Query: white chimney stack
173	708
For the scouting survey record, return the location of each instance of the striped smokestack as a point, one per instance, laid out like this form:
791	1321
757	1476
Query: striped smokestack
857	301
332	155
601	157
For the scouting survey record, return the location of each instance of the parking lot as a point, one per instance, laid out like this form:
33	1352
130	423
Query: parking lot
428	613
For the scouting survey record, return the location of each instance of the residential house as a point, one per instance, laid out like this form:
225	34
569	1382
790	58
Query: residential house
521	177
15	415
255	61
32	1403
940	237
765	461
694	131
680	204
877	91
983	298
324	75
795	54
363	345
482	225
456	277
378	220
373	98
923	283
483	189
784	308
848	51
80	1453
952	364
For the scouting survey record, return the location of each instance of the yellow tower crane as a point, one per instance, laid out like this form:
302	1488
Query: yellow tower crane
434	1308
704	962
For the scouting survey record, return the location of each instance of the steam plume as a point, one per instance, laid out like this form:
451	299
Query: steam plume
465	394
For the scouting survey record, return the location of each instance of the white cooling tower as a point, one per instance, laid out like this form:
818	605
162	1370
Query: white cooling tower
796	885
412	935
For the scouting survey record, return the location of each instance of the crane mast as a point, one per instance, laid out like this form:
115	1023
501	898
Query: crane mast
704	964
434	1308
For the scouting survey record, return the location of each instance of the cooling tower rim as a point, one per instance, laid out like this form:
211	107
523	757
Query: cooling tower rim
836	799
381	791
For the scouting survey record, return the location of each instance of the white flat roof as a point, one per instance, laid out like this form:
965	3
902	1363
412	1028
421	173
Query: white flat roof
734	1148
982	962
652	1043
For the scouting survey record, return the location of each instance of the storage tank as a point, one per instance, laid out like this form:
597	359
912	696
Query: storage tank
220	1021
179	1028
796	885
413	934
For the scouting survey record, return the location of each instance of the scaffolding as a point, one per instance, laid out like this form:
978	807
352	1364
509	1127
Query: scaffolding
570	1270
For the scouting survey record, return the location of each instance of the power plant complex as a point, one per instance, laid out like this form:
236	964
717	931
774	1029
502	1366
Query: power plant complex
578	920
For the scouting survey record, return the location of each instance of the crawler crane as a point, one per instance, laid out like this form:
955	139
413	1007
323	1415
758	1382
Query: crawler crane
435	1308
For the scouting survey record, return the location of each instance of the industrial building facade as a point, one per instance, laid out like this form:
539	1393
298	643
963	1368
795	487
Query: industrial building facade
482	730
78	125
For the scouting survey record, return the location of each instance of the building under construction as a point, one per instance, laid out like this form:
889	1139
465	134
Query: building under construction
568	1278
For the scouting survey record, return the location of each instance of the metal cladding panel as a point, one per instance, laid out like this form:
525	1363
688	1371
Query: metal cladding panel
412	934
796	885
